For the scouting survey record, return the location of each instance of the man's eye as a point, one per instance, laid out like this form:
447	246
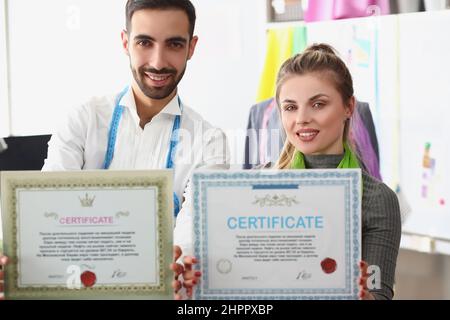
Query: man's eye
176	45
144	43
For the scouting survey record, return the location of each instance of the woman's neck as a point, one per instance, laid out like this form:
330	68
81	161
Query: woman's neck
323	161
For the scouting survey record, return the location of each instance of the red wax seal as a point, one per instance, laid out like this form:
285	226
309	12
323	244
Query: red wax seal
328	265
88	279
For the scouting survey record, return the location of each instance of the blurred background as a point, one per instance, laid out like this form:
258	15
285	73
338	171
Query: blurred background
56	54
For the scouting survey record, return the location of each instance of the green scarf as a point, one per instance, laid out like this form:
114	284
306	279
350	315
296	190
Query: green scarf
350	161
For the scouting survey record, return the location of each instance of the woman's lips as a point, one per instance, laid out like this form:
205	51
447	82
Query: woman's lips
307	135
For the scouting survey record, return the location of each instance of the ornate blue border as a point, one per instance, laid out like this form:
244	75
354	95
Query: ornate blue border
347	178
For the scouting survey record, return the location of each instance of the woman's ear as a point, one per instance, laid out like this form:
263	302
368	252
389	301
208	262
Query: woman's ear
350	109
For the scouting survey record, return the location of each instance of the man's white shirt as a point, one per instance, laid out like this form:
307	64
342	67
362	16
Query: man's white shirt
82	140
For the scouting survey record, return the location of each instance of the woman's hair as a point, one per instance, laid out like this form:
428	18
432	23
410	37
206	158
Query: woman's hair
364	148
319	59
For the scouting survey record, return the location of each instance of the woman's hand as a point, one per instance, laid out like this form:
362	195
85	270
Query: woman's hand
190	277
3	262
364	293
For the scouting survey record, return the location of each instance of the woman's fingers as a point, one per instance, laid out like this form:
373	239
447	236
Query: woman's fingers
177	269
177	296
176	285
190	283
189	292
3	261
188	261
365	295
363	268
176	253
190	277
192	274
363	282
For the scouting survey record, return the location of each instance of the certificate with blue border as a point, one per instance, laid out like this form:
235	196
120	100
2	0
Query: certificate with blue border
278	234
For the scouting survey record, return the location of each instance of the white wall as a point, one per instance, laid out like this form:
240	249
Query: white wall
65	51
4	105
62	52
222	79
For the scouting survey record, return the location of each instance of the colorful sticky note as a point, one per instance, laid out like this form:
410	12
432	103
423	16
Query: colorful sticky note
424	191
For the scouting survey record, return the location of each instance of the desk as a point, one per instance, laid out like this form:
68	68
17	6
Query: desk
425	244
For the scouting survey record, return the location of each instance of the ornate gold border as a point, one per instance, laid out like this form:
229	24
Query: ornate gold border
161	179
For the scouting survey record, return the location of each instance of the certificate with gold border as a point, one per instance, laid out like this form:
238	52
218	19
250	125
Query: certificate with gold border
88	234
287	234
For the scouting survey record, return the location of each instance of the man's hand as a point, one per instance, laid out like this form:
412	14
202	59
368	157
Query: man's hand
190	277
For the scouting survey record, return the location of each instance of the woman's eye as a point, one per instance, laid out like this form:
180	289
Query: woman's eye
318	105
289	108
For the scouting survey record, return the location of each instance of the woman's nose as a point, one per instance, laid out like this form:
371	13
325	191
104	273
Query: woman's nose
302	116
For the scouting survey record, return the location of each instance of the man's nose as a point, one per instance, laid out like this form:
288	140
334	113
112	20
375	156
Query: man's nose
158	58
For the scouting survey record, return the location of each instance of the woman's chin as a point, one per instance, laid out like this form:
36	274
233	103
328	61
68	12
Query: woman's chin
307	149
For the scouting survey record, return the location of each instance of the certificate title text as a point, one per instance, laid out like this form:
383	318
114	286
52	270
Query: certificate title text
275	222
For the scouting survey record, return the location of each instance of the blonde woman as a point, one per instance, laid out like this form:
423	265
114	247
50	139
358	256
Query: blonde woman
316	103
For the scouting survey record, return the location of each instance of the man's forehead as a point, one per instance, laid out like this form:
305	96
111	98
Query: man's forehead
158	24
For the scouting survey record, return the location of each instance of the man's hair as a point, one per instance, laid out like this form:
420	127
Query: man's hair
184	5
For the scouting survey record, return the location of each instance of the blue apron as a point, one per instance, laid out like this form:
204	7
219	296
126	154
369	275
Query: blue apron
112	137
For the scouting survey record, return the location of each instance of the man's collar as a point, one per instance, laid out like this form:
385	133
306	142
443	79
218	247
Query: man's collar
172	108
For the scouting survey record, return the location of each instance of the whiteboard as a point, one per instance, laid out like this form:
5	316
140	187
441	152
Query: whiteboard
410	101
369	48
425	118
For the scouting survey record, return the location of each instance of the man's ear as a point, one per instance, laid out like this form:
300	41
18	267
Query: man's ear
192	46
125	42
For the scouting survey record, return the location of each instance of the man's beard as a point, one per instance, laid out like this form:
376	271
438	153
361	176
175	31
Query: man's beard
155	92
